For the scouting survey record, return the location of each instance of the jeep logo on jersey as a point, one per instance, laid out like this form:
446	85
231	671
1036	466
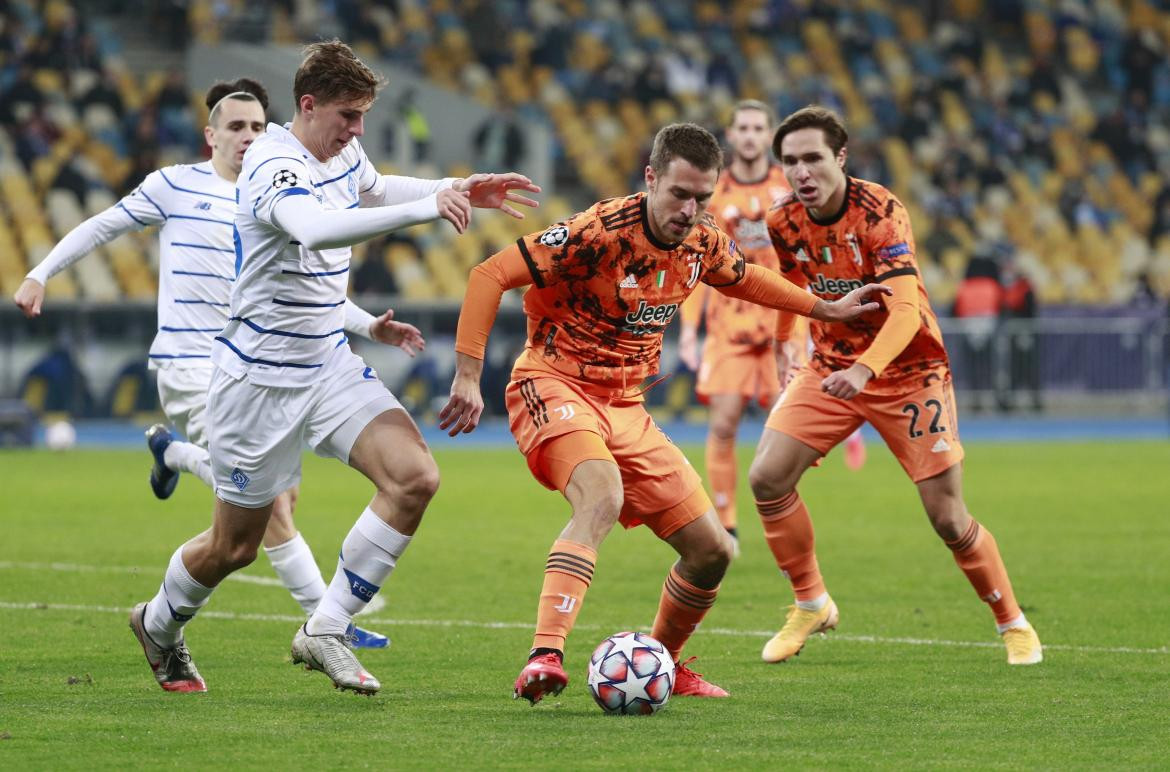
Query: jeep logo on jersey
660	315
827	286
284	179
555	236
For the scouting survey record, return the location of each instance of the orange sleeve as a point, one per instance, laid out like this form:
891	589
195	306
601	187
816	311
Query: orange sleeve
899	327
488	282
785	322
692	308
770	289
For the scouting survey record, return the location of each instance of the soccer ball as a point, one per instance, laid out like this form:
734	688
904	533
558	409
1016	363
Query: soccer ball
631	673
60	435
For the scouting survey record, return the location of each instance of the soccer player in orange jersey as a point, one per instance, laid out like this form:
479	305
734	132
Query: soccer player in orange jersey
737	364
888	368
604	285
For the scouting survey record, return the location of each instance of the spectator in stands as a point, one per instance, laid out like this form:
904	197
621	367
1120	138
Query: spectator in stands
499	141
1019	302
978	301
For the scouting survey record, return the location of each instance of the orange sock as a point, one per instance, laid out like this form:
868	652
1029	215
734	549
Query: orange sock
680	611
721	477
789	532
978	555
567	575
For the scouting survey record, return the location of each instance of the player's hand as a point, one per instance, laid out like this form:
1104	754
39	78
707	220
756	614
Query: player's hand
688	348
860	301
455	208
29	297
847	383
494	191
464	407
786	366
406	336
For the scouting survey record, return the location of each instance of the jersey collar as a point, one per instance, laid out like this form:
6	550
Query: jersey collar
849	184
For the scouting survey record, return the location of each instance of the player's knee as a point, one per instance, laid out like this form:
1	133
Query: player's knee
949	522
417	487
767	482
601	507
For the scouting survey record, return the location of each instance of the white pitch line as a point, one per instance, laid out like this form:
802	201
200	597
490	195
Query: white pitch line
470	623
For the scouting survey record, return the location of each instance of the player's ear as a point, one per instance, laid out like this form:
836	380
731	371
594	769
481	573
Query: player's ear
306	103
208	135
841	156
650	177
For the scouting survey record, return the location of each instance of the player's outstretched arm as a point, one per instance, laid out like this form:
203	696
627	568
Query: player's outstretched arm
489	280
860	301
495	191
303	218
100	229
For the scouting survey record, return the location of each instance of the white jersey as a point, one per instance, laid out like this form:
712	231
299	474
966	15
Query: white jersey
287	316
195	207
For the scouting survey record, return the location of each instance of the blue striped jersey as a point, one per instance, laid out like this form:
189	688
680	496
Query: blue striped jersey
195	207
287	304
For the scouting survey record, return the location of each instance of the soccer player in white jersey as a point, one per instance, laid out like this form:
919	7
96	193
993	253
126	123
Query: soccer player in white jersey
285	376
195	205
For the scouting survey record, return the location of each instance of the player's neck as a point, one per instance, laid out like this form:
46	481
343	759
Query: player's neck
749	171
224	169
832	208
300	130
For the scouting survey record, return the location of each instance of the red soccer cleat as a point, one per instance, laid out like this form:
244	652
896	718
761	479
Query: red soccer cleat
688	683
542	675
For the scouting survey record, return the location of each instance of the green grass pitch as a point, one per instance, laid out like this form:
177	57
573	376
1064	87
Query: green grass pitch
914	677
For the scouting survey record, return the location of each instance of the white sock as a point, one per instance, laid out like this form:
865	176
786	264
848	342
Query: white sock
816	604
187	457
297	570
179	598
1020	621
368	555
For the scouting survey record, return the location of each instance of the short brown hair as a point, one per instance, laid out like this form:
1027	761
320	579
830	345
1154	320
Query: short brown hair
243	89
687	141
813	117
332	72
752	104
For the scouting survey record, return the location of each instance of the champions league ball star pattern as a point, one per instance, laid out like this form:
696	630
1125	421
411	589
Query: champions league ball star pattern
631	673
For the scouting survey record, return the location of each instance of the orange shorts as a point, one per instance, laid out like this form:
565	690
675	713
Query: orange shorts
751	373
557	425
920	428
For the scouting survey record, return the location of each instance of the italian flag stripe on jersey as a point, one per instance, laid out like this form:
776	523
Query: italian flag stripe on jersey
661	278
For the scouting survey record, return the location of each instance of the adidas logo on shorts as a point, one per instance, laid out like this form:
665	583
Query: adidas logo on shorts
630	282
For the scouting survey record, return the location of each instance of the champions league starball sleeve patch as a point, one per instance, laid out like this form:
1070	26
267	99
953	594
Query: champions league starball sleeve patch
555	236
284	179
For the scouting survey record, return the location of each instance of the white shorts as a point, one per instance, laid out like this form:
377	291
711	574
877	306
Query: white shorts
258	432
182	392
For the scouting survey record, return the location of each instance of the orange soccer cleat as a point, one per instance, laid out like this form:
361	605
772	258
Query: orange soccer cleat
542	675
688	683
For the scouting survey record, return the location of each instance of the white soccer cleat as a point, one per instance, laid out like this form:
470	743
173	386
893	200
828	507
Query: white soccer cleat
331	655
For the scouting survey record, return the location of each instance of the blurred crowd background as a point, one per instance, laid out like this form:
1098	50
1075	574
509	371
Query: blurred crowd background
1029	139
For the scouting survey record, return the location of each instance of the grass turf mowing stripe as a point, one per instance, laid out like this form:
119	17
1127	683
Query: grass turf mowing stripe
845	637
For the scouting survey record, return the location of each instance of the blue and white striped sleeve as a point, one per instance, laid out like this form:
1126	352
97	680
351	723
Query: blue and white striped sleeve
272	179
149	203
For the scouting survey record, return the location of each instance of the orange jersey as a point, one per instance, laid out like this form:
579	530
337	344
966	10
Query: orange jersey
604	289
869	241
740	208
